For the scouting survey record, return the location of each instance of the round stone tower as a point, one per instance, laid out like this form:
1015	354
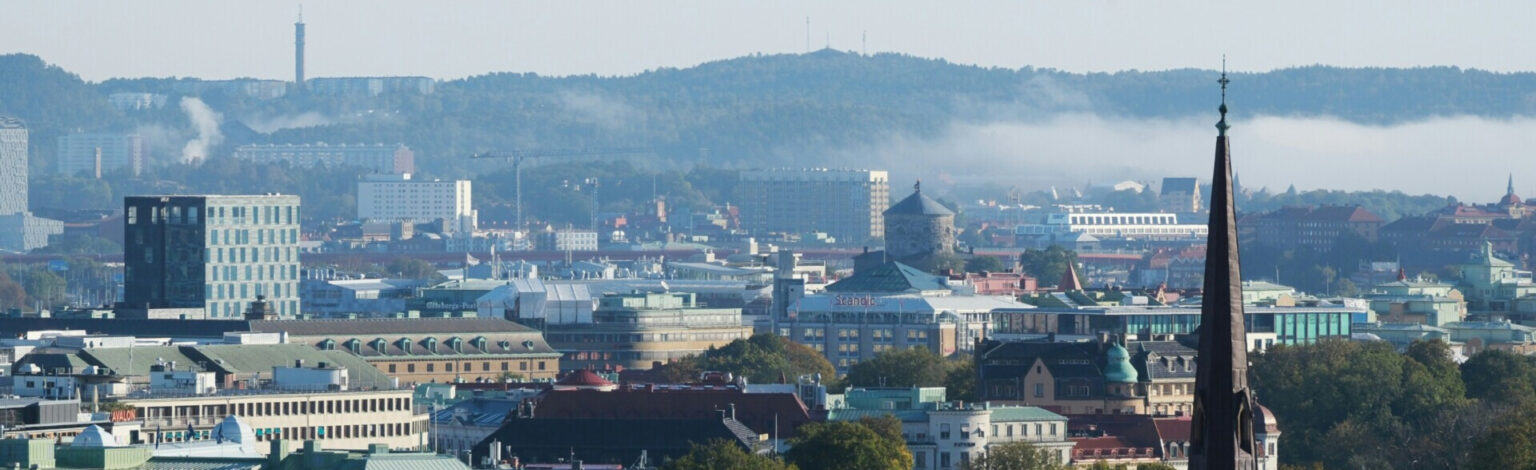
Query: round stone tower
918	227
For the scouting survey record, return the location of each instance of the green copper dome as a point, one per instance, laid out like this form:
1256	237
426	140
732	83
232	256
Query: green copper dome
1118	368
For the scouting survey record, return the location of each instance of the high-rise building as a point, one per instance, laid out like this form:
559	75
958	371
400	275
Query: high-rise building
215	253
19	230
377	158
399	198
13	165
99	153
846	204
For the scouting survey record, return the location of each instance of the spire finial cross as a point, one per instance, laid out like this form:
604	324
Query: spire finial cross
1222	126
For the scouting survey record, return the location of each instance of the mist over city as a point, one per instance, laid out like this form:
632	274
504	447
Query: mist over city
767	235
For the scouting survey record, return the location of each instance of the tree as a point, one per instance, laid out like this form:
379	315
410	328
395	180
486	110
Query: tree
979	264
1015	456
721	453
411	268
763	358
846	446
1509	444
12	294
887	426
960	381
1047	265
910	367
1500	376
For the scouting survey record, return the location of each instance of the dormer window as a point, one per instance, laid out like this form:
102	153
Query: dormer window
404	344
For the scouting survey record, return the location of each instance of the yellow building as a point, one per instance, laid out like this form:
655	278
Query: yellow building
421	350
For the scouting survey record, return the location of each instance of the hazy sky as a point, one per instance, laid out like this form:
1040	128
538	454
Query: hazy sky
223	39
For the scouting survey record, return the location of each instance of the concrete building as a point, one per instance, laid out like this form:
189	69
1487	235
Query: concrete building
352	419
892	306
377	158
20	231
1179	195
212	254
396	197
636	330
1318	228
1082	315
846	204
370	86
98	153
565	240
946	435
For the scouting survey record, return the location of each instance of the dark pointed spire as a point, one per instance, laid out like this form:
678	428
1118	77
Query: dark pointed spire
1221	434
1511	189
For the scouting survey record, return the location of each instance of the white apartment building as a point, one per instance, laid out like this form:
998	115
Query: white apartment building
1115	225
847	204
95	154
398	197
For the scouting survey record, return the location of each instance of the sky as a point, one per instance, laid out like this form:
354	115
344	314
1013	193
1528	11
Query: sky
136	38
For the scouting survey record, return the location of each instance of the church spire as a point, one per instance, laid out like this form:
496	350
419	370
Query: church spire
1221	434
1511	188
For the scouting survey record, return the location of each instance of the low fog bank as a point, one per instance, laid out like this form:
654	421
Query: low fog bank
1466	157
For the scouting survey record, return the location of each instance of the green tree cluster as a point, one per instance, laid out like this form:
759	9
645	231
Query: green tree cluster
722	454
916	367
1048	265
1017	456
845	445
763	358
1353	405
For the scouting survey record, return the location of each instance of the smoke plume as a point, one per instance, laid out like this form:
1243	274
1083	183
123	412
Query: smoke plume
206	123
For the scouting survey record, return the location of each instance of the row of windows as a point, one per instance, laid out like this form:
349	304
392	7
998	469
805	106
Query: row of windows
448	366
271	272
273	290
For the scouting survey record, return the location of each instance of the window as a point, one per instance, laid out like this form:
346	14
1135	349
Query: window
1040	390
944	431
410	367
429	366
541	365
391	368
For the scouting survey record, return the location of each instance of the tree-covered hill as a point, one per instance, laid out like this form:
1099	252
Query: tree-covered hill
764	109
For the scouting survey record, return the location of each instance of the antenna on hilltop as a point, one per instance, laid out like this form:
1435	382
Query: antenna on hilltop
864	43
807	34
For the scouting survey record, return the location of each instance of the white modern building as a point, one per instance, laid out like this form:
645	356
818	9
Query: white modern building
397	197
1109	225
97	153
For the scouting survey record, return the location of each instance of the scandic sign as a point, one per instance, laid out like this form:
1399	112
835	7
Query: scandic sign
855	301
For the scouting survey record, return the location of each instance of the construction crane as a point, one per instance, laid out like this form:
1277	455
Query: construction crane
517	157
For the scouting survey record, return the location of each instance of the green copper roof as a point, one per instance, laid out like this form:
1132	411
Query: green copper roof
1117	368
889	277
